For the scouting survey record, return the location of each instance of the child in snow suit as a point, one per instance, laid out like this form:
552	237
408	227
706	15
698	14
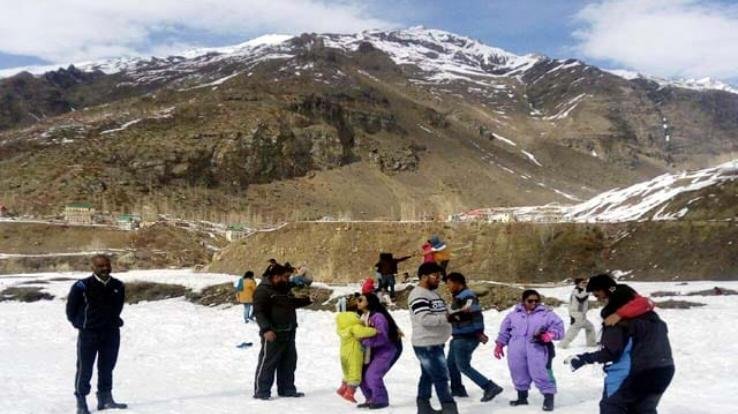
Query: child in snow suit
636	353
528	331
351	330
245	288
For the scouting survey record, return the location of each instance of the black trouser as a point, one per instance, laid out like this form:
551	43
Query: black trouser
280	357
639	394
92	343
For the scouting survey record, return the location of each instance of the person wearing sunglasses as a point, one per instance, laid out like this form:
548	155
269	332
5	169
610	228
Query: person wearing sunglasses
528	332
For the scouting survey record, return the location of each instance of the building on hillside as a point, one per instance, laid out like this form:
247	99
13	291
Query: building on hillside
552	213
3	211
128	221
79	213
236	232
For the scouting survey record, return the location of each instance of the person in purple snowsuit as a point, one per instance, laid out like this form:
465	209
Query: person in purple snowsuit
528	332
383	350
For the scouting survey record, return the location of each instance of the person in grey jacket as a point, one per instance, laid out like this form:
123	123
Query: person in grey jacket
431	330
578	307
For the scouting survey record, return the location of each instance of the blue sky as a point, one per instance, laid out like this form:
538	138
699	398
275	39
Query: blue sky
670	38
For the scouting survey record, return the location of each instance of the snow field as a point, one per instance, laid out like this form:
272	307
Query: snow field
178	357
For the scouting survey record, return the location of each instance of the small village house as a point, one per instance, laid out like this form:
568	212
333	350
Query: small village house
128	221
236	232
79	213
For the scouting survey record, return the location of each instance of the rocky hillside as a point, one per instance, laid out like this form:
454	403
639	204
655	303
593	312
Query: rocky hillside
377	125
41	247
514	252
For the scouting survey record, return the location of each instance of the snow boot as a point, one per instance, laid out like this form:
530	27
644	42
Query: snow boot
295	394
459	392
378	406
341	389
82	405
105	401
449	408
491	391
522	399
366	404
548	402
348	394
424	407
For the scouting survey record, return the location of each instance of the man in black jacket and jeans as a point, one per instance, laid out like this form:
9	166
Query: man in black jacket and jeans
274	309
94	305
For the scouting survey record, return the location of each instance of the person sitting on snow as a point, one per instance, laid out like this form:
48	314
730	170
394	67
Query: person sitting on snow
636	352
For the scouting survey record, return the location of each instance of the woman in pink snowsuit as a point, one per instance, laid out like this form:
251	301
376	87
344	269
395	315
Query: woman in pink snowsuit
528	332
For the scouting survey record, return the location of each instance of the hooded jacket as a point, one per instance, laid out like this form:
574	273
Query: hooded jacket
631	347
274	307
351	331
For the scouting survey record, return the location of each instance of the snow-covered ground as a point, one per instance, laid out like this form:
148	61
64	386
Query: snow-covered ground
179	357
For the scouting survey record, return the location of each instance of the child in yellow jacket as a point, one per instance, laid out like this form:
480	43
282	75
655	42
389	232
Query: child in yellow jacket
351	330
245	288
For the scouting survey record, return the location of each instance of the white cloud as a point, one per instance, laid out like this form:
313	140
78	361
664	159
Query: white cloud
673	38
78	30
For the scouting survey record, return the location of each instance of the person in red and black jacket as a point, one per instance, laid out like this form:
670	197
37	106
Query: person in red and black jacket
94	305
635	350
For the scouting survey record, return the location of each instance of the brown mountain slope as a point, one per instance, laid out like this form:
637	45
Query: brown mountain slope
340	125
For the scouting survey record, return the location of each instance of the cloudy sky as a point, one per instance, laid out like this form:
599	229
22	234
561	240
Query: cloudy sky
670	38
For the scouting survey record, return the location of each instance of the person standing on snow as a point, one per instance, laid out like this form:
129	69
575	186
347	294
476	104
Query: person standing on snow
274	309
383	350
245	295
351	330
431	330
467	324
578	307
94	306
387	269
529	331
636	352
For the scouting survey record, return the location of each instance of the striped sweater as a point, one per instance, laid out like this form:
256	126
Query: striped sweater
428	317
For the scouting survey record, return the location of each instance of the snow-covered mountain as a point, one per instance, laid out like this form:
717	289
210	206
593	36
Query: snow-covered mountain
661	198
390	101
703	84
441	55
666	197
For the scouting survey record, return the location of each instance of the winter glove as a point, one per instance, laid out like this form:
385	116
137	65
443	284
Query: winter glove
499	352
575	362
482	338
543	337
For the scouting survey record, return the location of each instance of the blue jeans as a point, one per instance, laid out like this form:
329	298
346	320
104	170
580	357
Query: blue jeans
434	373
248	312
460	352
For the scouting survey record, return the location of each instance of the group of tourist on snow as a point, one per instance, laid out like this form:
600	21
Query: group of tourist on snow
634	345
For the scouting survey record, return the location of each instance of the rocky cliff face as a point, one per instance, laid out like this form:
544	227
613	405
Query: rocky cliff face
406	124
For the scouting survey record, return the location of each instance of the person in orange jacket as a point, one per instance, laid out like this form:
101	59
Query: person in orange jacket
245	294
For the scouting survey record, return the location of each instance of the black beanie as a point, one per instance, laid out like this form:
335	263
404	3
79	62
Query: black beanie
601	282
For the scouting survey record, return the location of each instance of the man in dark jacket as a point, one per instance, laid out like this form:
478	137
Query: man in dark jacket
387	269
94	305
637	357
467	332
274	309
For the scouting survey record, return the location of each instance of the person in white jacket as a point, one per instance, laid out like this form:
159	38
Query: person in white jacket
578	307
